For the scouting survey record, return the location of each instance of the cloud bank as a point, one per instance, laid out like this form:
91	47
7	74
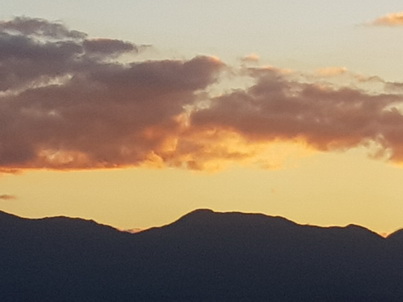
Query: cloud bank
67	101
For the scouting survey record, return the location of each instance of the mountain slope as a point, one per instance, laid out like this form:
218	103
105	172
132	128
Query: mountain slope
203	256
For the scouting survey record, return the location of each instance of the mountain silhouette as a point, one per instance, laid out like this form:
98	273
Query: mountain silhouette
203	256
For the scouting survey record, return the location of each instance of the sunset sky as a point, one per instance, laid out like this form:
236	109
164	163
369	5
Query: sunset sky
133	113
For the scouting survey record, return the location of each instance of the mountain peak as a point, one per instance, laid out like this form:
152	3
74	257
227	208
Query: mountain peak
198	214
208	219
201	212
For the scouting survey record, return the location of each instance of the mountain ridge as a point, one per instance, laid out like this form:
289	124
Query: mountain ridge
202	256
195	215
192	214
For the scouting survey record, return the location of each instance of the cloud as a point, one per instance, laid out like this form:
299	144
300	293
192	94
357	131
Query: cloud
394	86
7	197
36	51
109	47
326	118
395	19
67	101
251	58
331	71
39	28
110	115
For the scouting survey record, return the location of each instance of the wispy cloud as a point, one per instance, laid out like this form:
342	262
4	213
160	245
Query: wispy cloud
331	71
7	197
395	19
67	101
251	58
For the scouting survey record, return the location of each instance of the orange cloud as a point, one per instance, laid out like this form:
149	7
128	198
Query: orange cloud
331	71
211	149
251	58
395	19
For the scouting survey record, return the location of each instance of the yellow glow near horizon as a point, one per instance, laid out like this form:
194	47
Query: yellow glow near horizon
326	189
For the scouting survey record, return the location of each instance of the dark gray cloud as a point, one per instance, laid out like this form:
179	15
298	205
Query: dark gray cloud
35	51
108	46
36	27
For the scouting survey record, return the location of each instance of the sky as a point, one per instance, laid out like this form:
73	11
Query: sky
133	113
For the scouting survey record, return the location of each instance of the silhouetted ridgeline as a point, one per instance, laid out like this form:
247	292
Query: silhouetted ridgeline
204	256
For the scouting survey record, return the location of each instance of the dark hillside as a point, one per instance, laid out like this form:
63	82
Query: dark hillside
203	256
